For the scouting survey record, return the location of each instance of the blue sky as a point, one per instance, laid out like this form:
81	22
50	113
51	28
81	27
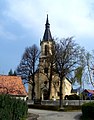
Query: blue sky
22	23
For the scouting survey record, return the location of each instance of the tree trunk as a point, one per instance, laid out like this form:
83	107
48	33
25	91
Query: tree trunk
60	102
50	81
33	80
61	94
33	87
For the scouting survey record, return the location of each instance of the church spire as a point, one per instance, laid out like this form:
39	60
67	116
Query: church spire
47	25
47	34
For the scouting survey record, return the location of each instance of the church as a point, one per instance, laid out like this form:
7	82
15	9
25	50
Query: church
46	74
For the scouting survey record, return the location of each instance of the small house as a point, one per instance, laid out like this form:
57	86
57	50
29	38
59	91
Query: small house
13	86
88	94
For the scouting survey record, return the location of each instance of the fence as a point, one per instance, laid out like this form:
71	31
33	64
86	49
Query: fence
64	102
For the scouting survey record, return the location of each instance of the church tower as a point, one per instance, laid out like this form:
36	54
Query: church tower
45	76
46	47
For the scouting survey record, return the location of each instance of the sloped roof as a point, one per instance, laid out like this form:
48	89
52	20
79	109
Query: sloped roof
12	85
89	91
47	34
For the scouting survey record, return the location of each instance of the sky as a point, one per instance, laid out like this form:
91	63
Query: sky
22	24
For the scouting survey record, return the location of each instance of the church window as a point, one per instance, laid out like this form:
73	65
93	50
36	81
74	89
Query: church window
58	83
45	82
58	93
46	70
46	49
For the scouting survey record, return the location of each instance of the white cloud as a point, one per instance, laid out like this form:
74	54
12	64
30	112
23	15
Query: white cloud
22	11
67	17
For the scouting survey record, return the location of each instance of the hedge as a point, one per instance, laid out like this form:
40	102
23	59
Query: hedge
88	110
54	107
44	107
12	108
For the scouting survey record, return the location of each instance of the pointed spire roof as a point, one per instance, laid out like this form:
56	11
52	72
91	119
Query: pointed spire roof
47	34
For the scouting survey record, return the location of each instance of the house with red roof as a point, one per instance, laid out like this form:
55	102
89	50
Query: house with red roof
88	94
13	86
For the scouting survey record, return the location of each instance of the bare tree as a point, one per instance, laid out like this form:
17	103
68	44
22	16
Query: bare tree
68	58
29	65
90	67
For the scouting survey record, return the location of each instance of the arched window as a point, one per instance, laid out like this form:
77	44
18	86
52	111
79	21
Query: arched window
46	49
46	70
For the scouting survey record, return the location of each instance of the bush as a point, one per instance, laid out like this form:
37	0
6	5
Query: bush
72	107
54	107
88	110
12	108
44	107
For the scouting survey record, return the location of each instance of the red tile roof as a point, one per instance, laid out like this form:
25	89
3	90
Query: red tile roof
12	85
89	91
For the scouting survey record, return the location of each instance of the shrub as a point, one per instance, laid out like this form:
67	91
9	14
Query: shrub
44	107
12	108
54	107
72	107
88	109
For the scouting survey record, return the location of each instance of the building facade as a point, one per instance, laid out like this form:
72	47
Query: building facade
45	76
